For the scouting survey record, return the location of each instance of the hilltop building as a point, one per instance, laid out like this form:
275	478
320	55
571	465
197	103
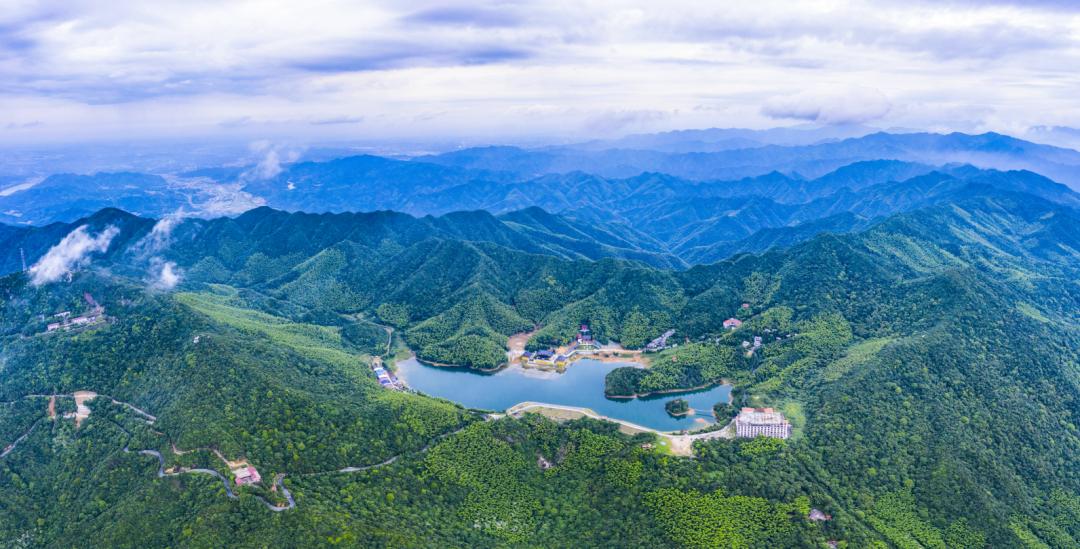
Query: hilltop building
95	315
753	422
732	323
246	475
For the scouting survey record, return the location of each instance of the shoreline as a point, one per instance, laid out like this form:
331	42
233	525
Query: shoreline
629	361
457	366
680	442
675	391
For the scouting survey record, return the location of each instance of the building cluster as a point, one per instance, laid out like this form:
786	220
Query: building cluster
65	321
752	347
545	357
754	422
660	343
583	344
246	475
386	377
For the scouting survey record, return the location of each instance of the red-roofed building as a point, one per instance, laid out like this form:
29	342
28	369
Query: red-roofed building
732	323
246	475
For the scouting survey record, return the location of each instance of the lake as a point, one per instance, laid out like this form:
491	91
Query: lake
581	385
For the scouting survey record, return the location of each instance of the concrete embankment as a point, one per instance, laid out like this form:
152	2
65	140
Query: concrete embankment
680	444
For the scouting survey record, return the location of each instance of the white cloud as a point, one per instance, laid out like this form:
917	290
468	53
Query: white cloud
161	274
165	274
833	107
271	157
25	185
378	69
160	235
70	253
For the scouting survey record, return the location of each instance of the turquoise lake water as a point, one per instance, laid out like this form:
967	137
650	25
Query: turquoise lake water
581	385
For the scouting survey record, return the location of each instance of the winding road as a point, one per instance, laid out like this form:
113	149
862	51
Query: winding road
278	480
229	492
11	447
679	444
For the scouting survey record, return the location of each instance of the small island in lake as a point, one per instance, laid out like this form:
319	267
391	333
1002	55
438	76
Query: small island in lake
678	407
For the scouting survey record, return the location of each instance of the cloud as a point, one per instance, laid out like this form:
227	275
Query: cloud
337	120
382	57
19	187
23	125
271	157
70	253
852	106
165	275
1061	136
238	122
467	16
161	274
618	121
127	70
160	235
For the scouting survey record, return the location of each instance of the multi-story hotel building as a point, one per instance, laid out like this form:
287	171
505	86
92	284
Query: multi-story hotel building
752	422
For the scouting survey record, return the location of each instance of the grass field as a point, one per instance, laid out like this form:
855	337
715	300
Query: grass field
323	342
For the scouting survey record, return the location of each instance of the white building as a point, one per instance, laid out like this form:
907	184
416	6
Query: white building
753	422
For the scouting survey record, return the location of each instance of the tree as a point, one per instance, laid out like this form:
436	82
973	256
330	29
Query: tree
677	407
635	330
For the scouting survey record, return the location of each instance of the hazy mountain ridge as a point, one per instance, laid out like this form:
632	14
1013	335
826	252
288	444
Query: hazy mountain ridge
503	179
990	150
657	219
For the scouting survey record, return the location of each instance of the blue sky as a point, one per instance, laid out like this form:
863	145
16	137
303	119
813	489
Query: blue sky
79	71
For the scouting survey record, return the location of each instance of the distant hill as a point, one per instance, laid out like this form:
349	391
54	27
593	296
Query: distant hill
659	220
725	139
988	150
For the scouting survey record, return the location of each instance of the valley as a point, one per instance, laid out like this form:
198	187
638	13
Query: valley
497	274
580	386
899	342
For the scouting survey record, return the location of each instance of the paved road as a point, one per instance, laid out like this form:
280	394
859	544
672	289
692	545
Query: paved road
11	447
278	481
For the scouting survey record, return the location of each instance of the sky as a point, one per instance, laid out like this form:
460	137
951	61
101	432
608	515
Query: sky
76	71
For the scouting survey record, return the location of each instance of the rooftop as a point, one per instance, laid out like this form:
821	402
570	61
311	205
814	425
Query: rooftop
761	416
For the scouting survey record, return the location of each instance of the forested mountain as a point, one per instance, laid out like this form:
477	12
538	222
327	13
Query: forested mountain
426	267
657	219
910	301
933	357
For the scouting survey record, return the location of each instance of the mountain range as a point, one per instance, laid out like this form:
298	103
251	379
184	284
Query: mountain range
916	314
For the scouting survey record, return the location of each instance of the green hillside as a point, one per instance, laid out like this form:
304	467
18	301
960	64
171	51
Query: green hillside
930	365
